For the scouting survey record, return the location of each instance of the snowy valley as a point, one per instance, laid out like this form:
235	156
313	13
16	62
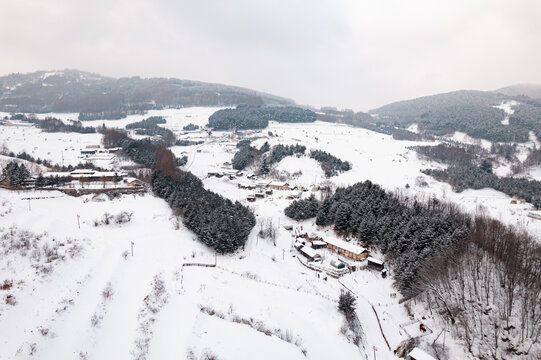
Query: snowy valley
95	270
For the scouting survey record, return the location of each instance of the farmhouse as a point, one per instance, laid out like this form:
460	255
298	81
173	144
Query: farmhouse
310	253
278	185
347	249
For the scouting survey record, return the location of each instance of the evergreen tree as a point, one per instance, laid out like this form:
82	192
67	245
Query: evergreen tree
265	169
342	217
346	304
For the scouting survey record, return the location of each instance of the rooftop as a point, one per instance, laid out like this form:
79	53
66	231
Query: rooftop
309	251
374	260
346	246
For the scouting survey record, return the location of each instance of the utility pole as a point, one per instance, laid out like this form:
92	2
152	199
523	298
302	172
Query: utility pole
132	248
78	222
215	258
29	209
283	254
374	352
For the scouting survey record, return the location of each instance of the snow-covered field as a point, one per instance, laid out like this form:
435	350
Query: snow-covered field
78	293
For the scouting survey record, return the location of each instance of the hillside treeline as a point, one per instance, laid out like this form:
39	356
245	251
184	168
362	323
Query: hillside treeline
448	154
330	164
472	112
50	124
257	117
218	222
476	177
487	288
150	127
481	277
99	97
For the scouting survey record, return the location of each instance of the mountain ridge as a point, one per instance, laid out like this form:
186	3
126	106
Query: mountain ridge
72	90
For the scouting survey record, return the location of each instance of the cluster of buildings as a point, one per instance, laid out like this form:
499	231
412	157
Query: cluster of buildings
263	188
307	245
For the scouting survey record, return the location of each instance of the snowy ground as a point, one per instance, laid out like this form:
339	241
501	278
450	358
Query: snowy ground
62	312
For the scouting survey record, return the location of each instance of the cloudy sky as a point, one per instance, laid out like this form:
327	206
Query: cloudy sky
349	54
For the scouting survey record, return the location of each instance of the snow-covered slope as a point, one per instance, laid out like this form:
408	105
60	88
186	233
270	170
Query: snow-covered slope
78	293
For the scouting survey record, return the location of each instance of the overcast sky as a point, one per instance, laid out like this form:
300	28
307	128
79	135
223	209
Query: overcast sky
349	54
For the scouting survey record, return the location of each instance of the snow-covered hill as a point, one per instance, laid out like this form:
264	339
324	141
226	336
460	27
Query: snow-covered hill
73	289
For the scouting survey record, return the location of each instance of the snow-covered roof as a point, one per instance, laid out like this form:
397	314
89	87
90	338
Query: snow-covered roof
319	243
374	260
346	246
419	354
278	184
82	173
130	179
308	251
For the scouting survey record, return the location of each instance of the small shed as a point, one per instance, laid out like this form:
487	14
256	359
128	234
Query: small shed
375	263
418	354
250	198
260	195
310	253
288	227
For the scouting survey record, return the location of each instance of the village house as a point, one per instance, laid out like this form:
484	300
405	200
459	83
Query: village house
246	186
278	185
347	249
310	253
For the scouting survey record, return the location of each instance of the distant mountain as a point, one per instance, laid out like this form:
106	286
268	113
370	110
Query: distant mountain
83	92
530	90
415	108
474	112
